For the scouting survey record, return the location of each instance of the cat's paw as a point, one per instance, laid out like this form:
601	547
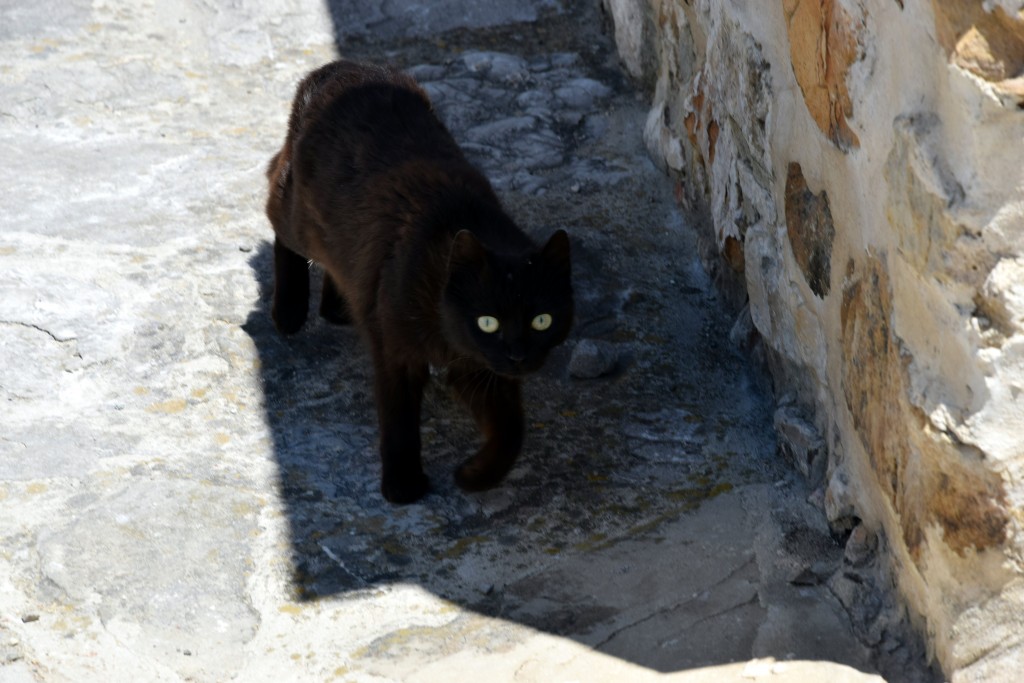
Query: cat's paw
474	476
404	489
288	320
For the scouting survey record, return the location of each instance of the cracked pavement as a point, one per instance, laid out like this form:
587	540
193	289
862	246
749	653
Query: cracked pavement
186	496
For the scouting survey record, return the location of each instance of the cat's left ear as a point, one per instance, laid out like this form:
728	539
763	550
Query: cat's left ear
556	252
466	252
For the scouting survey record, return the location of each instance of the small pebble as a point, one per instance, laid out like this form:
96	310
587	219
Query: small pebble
575	187
806	578
860	547
592	358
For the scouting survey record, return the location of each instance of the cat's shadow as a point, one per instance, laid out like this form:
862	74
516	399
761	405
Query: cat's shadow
563	546
317	387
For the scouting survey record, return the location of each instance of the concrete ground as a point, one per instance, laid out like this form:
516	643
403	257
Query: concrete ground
186	496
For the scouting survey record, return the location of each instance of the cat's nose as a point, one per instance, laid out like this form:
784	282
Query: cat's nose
516	354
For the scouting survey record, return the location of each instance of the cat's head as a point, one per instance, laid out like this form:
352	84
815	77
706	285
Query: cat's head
508	310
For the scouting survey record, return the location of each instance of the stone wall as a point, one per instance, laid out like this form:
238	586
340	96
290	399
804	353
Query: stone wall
856	168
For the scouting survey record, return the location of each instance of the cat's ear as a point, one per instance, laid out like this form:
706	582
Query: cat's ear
556	252
466	252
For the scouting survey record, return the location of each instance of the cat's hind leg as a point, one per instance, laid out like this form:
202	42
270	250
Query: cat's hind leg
496	404
333	308
291	289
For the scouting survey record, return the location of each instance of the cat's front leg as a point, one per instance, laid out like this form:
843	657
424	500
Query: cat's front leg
496	404
399	393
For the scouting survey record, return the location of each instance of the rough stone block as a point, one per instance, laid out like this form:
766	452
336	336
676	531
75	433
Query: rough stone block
824	43
810	229
802	443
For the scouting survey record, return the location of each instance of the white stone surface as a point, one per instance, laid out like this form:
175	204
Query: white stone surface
185	496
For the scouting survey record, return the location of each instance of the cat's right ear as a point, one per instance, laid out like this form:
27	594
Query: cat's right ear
556	252
466	252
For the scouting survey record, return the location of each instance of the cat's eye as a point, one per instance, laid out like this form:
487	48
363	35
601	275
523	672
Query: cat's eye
488	324
541	322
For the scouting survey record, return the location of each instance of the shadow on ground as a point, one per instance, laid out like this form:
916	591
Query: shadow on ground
596	535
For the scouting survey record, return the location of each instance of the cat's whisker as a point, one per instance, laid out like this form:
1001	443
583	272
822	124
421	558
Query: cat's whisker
457	359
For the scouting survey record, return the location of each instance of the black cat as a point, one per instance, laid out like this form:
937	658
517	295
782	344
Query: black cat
419	254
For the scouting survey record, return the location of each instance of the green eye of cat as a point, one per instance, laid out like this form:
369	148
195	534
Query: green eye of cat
541	322
488	324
